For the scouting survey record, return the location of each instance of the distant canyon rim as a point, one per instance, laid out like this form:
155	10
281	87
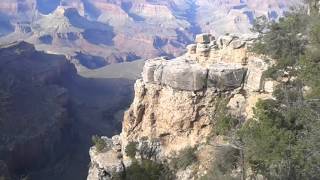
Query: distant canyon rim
95	33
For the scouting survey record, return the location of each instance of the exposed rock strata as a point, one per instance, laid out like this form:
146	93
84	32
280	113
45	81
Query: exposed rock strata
176	100
142	28
188	75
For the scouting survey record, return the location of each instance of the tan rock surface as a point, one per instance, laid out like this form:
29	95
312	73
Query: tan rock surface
175	100
178	118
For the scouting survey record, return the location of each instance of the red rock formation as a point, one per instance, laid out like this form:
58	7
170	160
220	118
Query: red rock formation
111	28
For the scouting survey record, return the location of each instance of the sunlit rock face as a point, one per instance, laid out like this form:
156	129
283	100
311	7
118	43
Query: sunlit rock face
176	100
185	75
114	30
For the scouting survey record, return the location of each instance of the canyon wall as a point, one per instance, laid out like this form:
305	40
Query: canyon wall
35	120
119	31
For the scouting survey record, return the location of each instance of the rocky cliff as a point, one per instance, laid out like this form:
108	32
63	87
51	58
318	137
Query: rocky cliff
176	101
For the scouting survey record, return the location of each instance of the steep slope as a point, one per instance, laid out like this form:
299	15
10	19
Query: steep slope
48	112
35	120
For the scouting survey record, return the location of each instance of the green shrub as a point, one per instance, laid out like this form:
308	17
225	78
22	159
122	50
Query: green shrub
273	73
226	160
146	170
148	149
99	143
224	122
131	149
279	138
185	158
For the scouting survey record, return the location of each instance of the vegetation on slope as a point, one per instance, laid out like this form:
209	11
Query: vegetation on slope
99	143
282	139
145	167
185	158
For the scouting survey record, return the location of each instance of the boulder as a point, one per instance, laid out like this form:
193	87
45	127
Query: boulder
249	37
116	140
105	164
270	85
237	44
203	48
183	75
203	38
191	48
157	75
151	66
236	105
226	76
224	41
256	68
148	70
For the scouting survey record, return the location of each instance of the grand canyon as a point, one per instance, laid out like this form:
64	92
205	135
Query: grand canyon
126	70
99	32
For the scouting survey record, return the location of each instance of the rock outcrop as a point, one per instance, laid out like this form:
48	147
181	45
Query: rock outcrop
176	100
183	74
105	164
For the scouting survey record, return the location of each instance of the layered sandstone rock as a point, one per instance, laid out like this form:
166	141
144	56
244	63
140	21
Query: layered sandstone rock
176	100
191	76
